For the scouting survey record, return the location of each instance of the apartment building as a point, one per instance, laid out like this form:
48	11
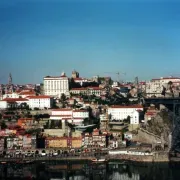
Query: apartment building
40	102
72	116
118	112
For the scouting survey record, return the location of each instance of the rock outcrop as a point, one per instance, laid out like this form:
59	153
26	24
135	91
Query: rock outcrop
161	125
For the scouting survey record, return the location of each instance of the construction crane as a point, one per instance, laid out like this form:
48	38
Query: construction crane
117	73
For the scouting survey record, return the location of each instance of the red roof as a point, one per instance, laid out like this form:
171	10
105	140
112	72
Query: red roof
133	106
27	93
38	97
151	113
81	89
24	119
14	99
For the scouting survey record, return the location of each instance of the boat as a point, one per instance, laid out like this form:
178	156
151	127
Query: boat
98	160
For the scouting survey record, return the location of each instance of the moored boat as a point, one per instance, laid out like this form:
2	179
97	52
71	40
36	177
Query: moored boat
98	160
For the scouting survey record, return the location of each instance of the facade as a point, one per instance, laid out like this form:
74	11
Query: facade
103	121
3	104
25	122
78	91
69	115
14	143
12	102
155	86
97	91
63	142
95	140
56	86
21	142
26	93
40	102
60	142
94	91
11	95
117	112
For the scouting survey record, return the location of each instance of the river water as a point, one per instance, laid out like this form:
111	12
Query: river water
89	171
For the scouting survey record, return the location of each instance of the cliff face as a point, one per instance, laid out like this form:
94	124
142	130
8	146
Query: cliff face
161	125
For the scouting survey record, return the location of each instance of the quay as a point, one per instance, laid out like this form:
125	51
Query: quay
155	158
33	159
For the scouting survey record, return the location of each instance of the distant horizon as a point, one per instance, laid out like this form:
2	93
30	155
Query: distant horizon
69	76
40	38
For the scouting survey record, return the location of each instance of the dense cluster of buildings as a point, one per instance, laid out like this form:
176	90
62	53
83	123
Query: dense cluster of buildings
73	105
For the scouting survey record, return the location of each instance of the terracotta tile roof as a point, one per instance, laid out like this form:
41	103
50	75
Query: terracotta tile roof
80	89
14	99
151	113
133	106
27	93
38	97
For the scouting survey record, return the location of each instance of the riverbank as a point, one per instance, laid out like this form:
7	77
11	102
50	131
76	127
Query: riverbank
155	158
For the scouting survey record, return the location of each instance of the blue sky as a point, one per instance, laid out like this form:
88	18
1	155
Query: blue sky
39	38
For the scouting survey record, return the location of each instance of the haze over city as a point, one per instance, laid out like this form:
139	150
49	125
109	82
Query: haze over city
39	38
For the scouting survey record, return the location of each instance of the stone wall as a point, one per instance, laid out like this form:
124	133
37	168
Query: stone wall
34	112
161	157
54	132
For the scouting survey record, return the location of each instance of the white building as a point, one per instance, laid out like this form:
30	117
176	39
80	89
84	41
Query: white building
81	90
40	102
11	95
72	116
82	114
122	112
3	104
80	80
56	86
94	91
12	102
26	93
103	121
155	86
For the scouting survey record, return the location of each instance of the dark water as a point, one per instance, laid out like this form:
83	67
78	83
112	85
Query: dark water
89	171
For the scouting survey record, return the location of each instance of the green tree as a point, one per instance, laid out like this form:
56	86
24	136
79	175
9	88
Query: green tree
3	125
63	97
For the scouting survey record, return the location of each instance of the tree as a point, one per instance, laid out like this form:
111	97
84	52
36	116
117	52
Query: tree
127	120
63	97
3	125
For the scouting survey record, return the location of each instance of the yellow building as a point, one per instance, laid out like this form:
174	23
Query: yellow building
56	142
76	143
